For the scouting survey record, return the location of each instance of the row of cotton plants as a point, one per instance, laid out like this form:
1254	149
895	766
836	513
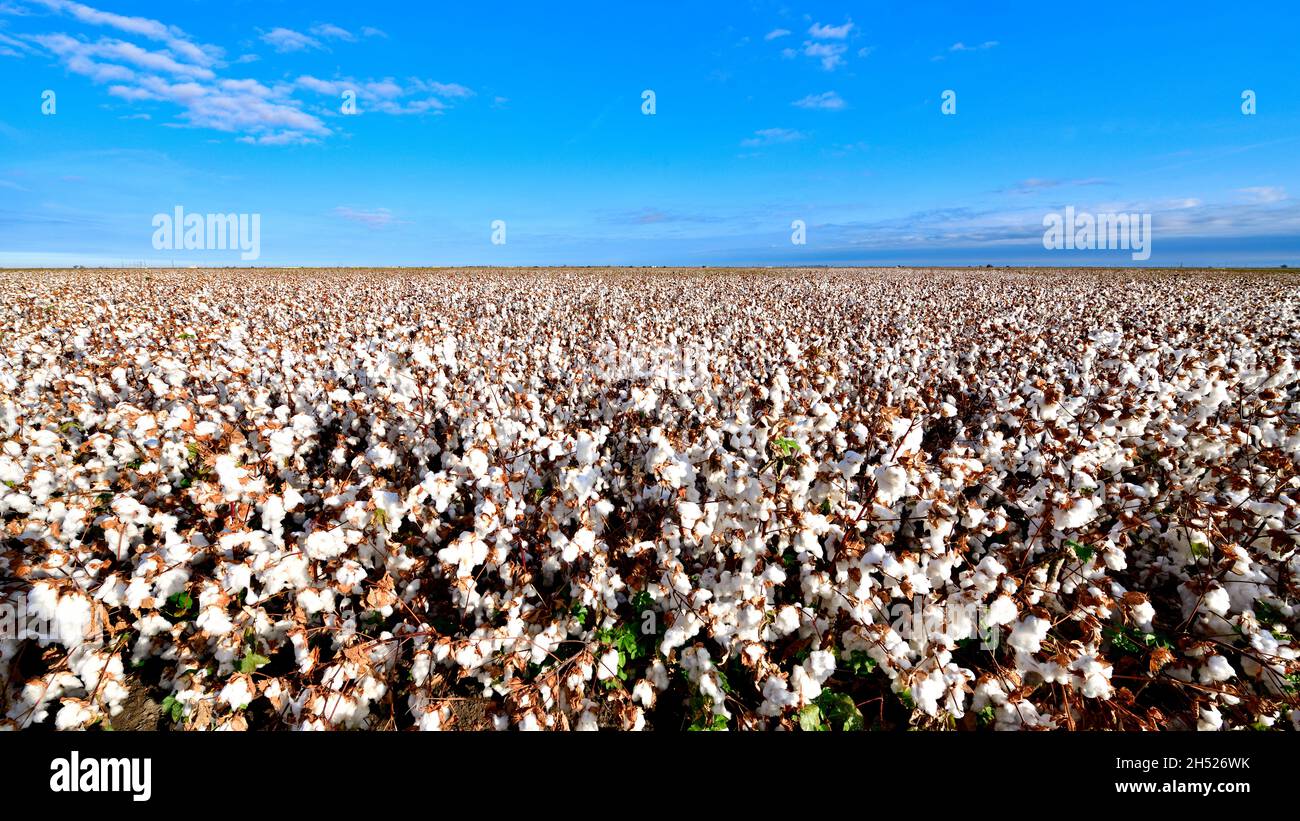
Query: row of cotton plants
590	499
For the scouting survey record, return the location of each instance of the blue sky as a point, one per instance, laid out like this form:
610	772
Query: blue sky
765	113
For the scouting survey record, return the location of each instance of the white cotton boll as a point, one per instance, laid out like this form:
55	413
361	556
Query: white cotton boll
690	513
1080	513
441	489
1210	719
584	541
1216	668
231	476
282	445
1028	634
584	449
273	516
820	665
73	619
927	692
214	621
1143	616
238	693
129	510
391	505
587	722
73	715
476	462
431	719
607	665
777	696
466	552
292	499
786	621
643	693
323	545
1095	675
891	484
805	687
349	574
1001	611
1217	601
659	675
313	600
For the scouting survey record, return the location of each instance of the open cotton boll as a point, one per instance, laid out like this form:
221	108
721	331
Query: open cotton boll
1077	514
1210	719
323	545
1001	611
1216	669
891	484
73	715
1027	635
416	479
607	665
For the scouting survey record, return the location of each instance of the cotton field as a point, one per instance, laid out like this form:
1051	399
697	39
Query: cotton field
650	499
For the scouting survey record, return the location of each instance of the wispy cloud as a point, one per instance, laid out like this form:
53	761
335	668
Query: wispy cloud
831	55
819	31
374	218
984	46
772	136
658	216
388	96
152	62
826	101
329	31
827	44
174	38
1035	184
1263	193
287	41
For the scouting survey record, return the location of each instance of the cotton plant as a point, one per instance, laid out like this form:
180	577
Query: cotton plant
811	500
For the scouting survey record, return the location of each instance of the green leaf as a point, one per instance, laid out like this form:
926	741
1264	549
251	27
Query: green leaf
642	602
179	605
860	663
1200	551
784	446
1084	552
251	661
906	698
173	708
810	719
840	711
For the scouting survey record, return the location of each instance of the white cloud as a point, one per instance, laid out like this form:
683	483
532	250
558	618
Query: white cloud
827	100
189	76
772	136
371	31
831	55
960	46
329	31
286	40
377	218
119	51
1264	193
174	38
388	96
823	32
775	33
